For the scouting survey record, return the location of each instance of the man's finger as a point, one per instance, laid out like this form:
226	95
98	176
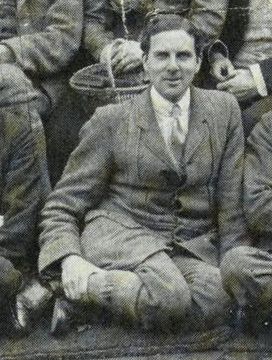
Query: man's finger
122	64
83	288
243	95
224	85
118	56
67	291
216	73
70	288
114	52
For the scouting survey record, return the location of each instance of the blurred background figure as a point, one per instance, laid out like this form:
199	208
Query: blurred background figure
38	41
242	62
112	27
24	187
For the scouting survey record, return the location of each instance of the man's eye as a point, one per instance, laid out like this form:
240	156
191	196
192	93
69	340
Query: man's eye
162	55
184	55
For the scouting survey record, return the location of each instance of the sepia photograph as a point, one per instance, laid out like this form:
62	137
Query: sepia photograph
136	179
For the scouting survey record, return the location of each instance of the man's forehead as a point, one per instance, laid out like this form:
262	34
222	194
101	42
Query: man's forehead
172	38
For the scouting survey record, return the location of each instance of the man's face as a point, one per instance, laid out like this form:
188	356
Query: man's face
171	63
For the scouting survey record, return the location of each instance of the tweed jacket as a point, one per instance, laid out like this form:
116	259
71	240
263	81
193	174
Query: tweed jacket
102	24
48	37
23	187
258	180
121	170
233	33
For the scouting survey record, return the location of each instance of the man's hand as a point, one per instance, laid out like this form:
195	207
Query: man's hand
242	85
75	276
222	69
125	56
6	55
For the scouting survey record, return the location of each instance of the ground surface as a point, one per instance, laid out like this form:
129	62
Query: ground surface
113	342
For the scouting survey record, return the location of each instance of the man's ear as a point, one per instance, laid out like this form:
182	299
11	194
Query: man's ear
144	57
199	62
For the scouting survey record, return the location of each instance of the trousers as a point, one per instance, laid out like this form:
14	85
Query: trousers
164	290
10	279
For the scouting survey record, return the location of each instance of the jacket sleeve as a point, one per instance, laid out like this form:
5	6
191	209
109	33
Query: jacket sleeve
258	178
96	35
82	187
55	42
23	188
209	16
231	221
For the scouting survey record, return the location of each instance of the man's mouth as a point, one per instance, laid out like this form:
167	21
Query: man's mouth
173	81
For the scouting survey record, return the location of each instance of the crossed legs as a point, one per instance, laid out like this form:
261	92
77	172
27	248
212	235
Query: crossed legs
162	293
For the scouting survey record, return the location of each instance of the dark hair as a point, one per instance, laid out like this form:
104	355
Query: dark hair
160	22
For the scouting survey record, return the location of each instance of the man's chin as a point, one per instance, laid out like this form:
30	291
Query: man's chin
174	95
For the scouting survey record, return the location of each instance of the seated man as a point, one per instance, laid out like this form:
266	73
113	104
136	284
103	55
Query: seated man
107	25
243	65
24	186
37	40
247	271
151	197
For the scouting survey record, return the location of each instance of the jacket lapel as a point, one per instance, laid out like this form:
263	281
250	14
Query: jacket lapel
151	134
199	115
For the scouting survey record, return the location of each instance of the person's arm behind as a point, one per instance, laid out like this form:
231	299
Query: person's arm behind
55	42
258	178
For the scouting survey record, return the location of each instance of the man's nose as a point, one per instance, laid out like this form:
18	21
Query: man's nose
172	63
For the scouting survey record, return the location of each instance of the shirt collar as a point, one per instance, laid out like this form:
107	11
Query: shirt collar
164	107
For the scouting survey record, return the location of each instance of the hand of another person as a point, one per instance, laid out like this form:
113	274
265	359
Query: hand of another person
128	57
110	50
125	55
242	85
222	69
6	55
75	276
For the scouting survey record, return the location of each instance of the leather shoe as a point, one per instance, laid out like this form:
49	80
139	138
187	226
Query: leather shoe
27	307
64	315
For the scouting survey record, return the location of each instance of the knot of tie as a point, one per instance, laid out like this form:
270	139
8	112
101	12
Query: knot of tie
176	111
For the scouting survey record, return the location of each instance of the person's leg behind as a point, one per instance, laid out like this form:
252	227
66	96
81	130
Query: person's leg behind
247	277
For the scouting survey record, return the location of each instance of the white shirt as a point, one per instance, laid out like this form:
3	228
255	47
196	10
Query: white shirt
163	110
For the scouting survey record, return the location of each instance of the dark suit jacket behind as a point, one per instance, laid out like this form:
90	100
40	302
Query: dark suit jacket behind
24	187
121	170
